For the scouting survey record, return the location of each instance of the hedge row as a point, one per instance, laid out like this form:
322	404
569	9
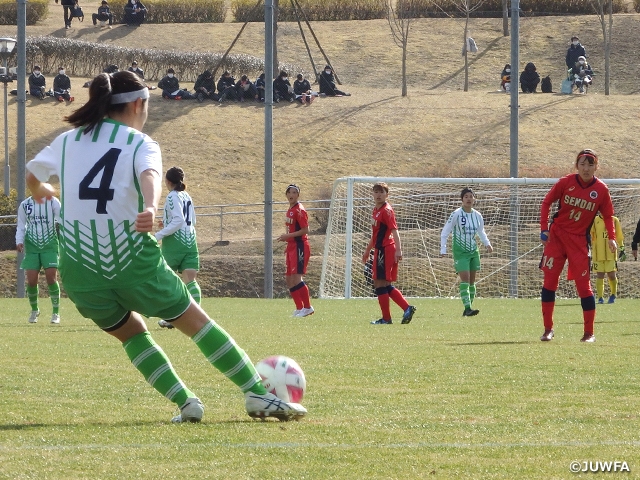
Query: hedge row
215	11
314	10
172	11
493	8
36	10
84	59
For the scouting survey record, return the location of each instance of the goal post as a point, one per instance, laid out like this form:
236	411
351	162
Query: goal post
510	207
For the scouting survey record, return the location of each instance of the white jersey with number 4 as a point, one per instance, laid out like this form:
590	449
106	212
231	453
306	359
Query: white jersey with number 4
100	194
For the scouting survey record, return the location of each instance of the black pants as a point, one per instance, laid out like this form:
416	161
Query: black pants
67	15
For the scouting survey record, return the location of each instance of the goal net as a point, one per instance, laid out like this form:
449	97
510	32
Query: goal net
511	209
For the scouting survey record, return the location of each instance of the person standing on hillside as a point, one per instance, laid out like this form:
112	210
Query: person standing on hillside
465	223
111	265
387	253
297	252
603	260
67	5
565	238
37	237
574	51
178	234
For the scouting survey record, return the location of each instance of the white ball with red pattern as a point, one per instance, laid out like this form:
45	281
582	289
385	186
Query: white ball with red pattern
283	377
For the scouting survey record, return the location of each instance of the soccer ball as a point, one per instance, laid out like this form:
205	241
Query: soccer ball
283	377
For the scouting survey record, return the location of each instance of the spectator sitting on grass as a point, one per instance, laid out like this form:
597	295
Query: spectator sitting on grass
170	87
328	84
62	86
104	14
282	89
37	83
529	79
204	87
302	89
246	89
227	87
134	13
260	87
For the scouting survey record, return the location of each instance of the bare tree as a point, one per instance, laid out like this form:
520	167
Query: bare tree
400	14
606	22
467	7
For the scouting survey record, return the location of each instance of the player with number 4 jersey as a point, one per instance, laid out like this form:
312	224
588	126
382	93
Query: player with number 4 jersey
111	265
566	237
178	234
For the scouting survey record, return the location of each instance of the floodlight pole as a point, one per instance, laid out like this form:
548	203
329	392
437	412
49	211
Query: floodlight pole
21	156
514	204
268	149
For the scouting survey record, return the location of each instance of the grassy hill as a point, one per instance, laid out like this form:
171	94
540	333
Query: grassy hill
437	130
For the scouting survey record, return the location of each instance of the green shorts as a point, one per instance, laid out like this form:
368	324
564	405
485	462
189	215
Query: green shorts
467	261
163	295
35	261
181	261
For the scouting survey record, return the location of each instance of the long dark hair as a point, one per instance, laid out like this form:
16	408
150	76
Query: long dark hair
99	104
176	176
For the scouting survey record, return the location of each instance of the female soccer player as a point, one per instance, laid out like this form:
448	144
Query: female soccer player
111	265
565	237
465	223
37	237
297	253
385	241
178	234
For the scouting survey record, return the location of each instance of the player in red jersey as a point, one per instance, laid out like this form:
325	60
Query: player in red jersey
297	252
566	237
385	242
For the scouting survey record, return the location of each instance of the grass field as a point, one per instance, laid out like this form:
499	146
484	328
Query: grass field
443	397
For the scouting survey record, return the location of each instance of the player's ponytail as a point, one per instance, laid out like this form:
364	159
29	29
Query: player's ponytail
101	98
176	176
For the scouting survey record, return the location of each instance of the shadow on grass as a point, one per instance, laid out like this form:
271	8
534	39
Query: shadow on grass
527	342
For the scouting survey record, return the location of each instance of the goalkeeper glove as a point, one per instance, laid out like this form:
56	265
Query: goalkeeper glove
622	256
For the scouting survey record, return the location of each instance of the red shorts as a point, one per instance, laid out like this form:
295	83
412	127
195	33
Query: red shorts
384	264
563	246
297	257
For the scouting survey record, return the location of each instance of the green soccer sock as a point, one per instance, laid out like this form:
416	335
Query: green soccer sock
464	294
54	293
194	290
32	295
156	368
472	293
223	353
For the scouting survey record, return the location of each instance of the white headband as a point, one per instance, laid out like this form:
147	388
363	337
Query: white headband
127	97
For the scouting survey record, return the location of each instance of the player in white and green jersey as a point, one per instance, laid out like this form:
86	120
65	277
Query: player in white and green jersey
37	237
178	233
465	223
111	265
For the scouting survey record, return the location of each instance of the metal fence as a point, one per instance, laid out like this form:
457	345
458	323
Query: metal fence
219	224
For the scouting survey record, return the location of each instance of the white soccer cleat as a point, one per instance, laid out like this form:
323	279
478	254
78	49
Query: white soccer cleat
305	312
33	316
268	405
296	312
55	318
191	411
165	324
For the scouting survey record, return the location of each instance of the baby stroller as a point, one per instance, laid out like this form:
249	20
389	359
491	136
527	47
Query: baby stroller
582	80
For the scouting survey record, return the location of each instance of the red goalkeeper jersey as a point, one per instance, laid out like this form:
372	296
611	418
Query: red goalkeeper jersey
383	221
578	205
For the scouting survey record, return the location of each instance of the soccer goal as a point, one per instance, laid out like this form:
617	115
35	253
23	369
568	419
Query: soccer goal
511	209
